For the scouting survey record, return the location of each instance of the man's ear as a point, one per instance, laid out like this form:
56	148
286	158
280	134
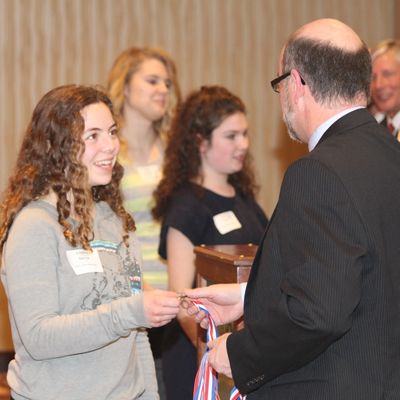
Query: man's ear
298	84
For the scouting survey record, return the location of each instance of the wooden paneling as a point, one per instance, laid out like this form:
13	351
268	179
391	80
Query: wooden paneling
236	43
45	43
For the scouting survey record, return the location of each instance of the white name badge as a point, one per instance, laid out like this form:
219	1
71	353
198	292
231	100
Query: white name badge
226	222
83	261
149	173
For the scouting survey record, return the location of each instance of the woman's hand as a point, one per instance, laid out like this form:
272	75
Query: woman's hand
160	306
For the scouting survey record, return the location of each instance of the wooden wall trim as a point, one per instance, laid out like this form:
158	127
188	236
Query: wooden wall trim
396	19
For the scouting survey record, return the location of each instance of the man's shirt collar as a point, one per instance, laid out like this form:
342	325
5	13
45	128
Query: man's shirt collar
319	132
395	121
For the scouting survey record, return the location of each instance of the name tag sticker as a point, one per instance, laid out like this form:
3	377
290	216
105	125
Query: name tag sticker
226	222
84	262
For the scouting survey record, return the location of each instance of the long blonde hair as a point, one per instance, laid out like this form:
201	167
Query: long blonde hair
125	66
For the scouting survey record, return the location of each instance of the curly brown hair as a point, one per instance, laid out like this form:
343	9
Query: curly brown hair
202	112
49	160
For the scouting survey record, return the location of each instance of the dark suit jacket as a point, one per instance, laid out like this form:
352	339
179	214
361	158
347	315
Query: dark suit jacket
322	306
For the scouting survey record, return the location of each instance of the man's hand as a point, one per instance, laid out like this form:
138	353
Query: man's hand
218	355
223	301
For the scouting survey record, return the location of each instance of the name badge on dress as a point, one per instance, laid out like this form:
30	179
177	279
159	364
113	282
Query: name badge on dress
226	222
83	261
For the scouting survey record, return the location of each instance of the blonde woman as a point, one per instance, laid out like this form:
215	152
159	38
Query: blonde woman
144	89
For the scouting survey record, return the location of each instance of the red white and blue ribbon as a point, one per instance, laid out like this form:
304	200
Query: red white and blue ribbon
206	382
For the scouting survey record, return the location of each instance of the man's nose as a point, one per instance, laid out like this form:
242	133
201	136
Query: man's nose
378	82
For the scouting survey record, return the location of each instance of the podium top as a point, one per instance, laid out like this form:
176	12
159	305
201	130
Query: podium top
234	254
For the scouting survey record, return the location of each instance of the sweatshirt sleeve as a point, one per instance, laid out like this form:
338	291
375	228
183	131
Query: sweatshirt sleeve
31	279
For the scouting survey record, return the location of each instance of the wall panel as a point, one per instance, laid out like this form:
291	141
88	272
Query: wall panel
45	43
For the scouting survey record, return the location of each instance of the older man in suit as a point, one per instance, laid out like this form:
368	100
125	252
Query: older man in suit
385	84
322	305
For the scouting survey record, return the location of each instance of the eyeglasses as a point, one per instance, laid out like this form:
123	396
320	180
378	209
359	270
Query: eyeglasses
275	82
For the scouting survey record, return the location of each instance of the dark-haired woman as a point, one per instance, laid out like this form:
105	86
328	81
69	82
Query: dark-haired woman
206	196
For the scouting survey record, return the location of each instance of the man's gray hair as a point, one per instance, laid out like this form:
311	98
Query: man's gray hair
385	46
333	74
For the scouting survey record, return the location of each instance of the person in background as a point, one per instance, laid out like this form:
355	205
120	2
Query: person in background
322	302
206	196
71	261
385	84
144	89
374	111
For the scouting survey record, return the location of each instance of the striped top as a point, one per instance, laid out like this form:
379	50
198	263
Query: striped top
138	185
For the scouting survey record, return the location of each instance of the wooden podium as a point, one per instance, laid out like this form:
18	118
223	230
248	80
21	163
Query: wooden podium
222	264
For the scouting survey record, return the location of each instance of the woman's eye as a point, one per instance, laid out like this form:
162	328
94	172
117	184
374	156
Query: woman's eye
91	136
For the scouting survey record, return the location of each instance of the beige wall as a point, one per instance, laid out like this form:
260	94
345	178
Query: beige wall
45	43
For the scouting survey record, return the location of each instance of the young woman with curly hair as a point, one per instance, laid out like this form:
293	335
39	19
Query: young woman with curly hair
206	196
71	261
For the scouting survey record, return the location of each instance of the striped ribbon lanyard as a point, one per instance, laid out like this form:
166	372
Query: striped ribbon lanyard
206	382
